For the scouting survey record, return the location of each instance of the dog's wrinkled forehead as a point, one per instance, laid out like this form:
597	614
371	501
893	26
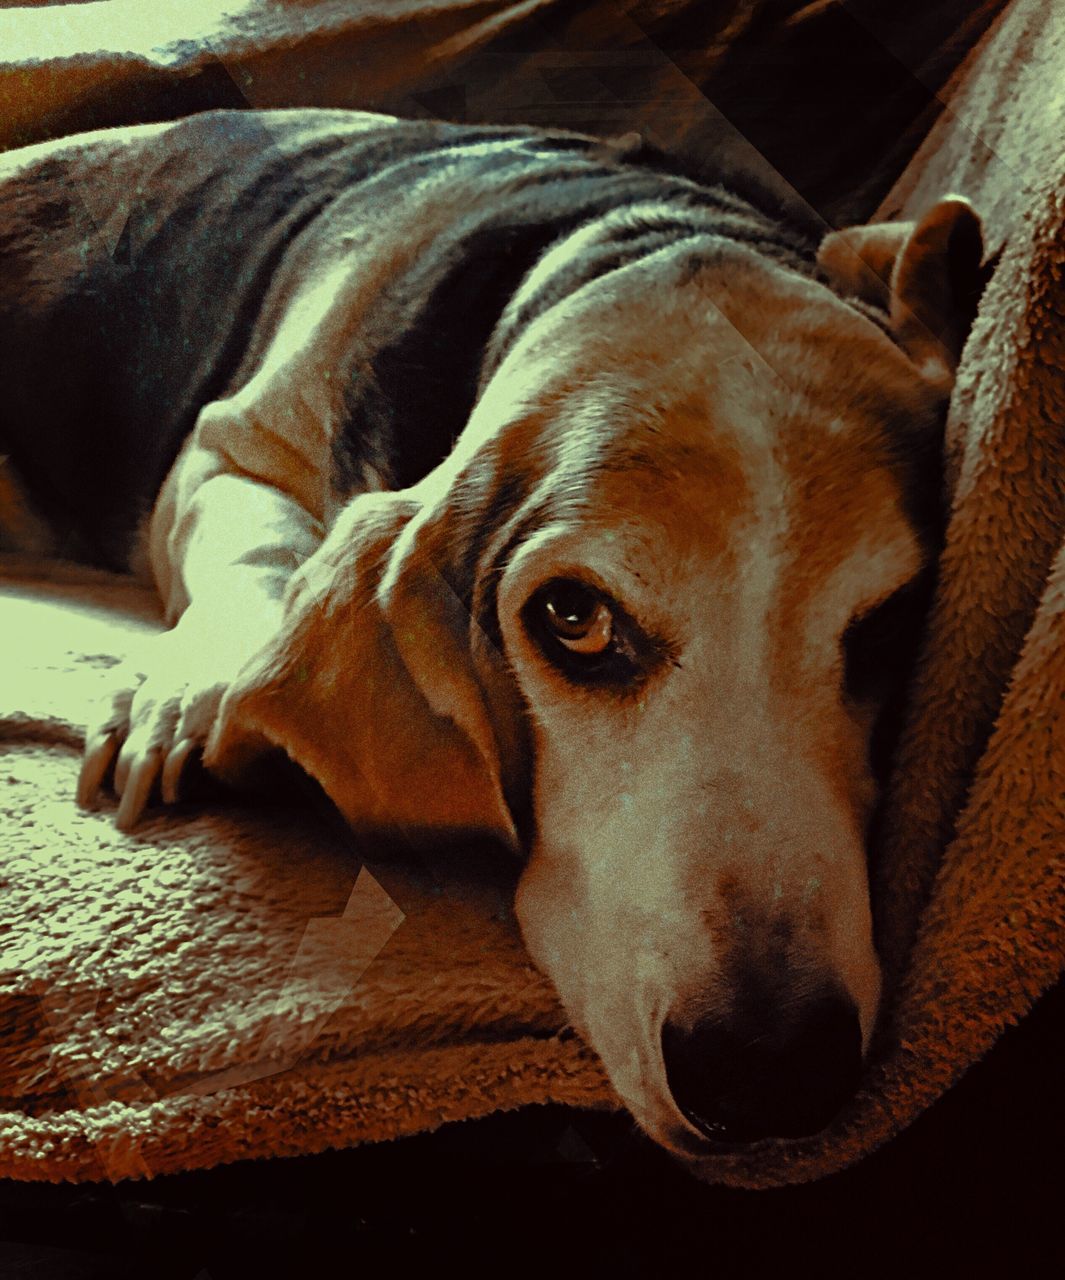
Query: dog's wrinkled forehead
698	375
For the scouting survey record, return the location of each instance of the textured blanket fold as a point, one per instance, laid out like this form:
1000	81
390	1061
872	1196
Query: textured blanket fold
236	982
229	984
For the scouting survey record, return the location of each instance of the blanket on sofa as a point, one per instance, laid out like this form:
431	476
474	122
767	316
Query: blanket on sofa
235	982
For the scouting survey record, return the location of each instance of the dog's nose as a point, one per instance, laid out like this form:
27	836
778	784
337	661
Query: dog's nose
738	1080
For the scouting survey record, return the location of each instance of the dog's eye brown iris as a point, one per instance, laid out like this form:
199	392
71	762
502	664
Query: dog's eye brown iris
578	618
591	639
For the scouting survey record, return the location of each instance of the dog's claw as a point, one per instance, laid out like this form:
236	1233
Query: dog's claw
100	752
174	767
151	725
137	787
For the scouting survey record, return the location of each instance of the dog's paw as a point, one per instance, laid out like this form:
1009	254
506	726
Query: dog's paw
155	719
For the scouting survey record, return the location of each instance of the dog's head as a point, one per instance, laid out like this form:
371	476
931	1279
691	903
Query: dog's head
641	624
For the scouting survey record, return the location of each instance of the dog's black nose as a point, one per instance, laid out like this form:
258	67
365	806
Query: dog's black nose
741	1079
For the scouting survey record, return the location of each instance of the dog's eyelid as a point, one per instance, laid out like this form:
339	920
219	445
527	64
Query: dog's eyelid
894	597
627	621
635	653
868	612
616	601
879	644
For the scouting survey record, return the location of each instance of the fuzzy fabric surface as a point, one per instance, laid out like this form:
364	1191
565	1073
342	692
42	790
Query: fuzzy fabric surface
248	982
969	886
228	983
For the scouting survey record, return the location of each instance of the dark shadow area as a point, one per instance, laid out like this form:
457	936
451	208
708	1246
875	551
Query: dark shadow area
974	1187
829	99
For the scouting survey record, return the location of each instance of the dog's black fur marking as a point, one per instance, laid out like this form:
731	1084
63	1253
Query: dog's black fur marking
108	354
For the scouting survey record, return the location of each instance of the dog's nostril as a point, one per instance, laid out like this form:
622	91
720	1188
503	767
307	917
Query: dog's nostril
738	1081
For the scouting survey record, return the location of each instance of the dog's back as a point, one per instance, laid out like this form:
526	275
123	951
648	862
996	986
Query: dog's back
142	270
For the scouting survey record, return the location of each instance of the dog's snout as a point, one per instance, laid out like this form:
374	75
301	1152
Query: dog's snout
739	1079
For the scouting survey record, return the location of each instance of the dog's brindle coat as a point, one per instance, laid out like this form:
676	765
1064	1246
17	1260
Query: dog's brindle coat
509	482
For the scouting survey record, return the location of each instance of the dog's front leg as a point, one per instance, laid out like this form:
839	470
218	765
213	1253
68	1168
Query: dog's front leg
223	547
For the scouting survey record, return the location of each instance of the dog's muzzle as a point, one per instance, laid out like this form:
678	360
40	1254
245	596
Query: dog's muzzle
758	1075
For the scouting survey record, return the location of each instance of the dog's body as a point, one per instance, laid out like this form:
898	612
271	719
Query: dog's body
507	482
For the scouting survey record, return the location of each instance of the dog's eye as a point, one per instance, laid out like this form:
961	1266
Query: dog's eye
588	637
879	650
591	639
577	617
880	647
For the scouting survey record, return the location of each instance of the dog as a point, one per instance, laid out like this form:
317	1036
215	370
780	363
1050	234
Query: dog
511	483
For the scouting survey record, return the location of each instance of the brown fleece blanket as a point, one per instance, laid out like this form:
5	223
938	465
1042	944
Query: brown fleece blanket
730	77
229	983
232	982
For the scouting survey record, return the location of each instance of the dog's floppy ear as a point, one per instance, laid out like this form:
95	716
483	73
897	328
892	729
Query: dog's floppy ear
370	685
927	274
